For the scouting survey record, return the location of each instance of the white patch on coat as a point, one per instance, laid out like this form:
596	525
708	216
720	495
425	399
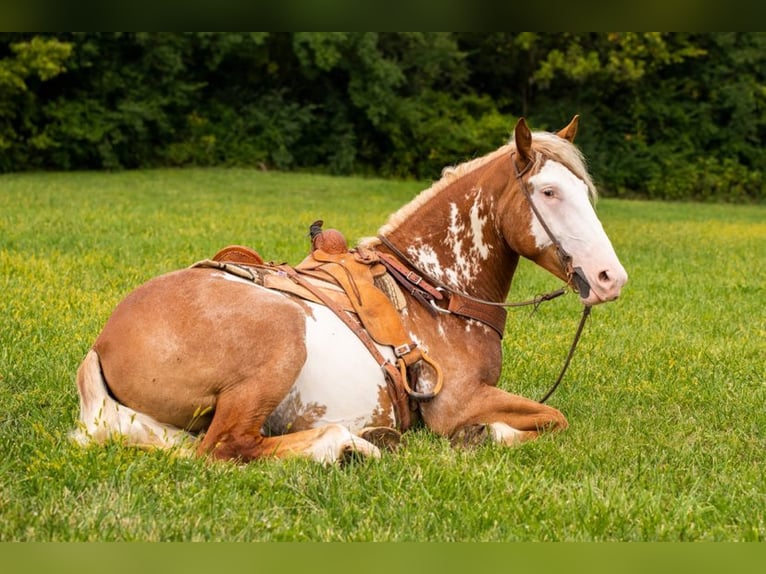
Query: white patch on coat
470	324
464	241
477	231
465	236
461	270
339	375
427	260
505	434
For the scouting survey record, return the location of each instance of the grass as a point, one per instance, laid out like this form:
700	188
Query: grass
665	395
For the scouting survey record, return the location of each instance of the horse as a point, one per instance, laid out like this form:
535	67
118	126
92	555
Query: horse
215	365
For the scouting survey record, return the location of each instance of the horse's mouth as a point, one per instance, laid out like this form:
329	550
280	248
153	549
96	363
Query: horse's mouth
581	283
604	288
594	297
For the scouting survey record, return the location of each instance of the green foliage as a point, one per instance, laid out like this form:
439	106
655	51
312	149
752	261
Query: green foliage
28	66
665	394
616	58
262	132
443	132
664	115
705	179
691	112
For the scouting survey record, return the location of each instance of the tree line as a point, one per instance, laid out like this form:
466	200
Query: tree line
663	115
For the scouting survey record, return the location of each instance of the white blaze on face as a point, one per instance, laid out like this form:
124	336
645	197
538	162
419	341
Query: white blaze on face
464	243
562	200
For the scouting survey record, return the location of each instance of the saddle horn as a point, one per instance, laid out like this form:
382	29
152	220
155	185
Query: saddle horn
328	240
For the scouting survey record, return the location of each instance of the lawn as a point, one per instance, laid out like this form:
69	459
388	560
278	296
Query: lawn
665	395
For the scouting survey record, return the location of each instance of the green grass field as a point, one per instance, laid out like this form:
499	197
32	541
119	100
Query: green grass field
666	395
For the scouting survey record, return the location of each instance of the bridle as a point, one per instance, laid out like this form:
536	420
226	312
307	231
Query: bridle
575	275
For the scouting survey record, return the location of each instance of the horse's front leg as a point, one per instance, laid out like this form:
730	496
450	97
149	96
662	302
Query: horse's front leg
488	413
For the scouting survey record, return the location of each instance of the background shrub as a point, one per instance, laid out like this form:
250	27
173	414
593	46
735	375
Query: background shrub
664	115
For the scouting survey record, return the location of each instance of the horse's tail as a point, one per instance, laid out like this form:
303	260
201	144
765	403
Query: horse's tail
102	418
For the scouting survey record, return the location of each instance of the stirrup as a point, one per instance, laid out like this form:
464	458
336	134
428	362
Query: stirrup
417	395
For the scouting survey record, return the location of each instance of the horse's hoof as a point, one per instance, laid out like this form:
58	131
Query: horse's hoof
357	451
470	436
349	456
385	438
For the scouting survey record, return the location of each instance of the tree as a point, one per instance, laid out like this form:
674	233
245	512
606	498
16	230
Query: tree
26	63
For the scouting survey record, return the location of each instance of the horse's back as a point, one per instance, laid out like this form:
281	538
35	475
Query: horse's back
173	345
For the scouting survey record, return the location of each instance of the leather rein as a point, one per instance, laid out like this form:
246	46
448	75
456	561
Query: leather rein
427	294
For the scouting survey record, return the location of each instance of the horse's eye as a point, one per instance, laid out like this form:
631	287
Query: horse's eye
548	192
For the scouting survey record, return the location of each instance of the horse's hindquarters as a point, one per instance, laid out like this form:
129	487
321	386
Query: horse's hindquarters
178	343
205	351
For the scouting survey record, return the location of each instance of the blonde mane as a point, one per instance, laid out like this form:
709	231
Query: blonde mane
545	144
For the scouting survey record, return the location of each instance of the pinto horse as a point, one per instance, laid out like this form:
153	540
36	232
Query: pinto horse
234	370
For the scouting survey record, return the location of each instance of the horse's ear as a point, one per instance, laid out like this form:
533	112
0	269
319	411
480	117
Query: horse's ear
569	132
523	139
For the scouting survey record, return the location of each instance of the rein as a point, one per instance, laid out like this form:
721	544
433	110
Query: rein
575	275
585	313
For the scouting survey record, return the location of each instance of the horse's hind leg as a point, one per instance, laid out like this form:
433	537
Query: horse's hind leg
385	438
235	431
231	437
325	444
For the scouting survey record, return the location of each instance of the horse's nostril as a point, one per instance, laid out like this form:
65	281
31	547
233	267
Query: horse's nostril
603	277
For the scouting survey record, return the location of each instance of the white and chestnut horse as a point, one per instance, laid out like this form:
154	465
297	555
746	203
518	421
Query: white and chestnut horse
244	372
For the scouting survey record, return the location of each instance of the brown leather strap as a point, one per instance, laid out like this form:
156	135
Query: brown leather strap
459	303
491	316
410	280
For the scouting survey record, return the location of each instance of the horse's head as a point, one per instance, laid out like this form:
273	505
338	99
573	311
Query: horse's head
552	187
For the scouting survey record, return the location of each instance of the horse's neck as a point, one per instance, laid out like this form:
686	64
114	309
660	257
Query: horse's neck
453	235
